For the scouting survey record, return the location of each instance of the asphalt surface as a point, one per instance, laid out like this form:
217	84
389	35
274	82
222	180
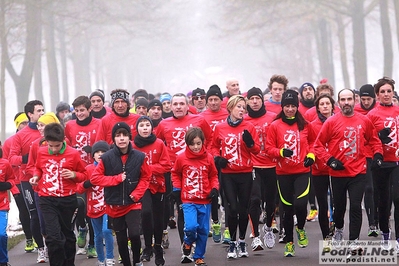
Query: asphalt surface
216	252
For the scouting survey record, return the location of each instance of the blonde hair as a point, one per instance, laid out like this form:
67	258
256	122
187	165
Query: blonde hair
233	102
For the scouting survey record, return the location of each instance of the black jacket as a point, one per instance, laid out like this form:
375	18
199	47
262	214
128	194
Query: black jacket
119	194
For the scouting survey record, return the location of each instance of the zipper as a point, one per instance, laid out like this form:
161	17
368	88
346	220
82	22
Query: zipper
123	186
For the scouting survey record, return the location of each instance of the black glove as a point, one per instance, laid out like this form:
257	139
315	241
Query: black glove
286	152
383	134
308	161
221	162
25	158
176	194
87	184
214	193
247	138
5	186
377	161
87	149
335	164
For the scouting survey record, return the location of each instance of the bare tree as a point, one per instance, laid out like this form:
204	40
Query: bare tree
23	80
386	38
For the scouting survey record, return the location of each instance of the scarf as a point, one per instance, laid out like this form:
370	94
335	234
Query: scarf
289	120
307	104
99	114
85	121
256	114
233	124
140	142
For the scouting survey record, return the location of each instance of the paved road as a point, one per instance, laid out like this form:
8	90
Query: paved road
216	253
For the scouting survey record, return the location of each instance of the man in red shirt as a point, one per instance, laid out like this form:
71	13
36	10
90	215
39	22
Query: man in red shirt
346	134
18	157
233	88
120	113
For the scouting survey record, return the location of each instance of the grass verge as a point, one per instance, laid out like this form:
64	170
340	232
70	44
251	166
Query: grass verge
13	241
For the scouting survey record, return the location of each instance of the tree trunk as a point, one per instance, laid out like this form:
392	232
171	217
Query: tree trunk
359	43
396	5
3	70
342	51
24	79
64	71
323	42
38	82
386	38
51	59
81	65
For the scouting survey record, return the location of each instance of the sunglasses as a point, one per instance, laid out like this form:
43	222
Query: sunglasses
196	98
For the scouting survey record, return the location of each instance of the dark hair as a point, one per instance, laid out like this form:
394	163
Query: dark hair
339	93
317	101
324	86
300	120
192	133
30	107
82	100
279	79
122	131
54	132
382	81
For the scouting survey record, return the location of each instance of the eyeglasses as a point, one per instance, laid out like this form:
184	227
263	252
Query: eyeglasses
196	98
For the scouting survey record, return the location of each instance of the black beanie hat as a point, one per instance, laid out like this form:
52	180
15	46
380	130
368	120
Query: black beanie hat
255	91
142	102
214	90
121	125
144	117
367	90
304	85
97	93
154	102
290	97
141	93
99	146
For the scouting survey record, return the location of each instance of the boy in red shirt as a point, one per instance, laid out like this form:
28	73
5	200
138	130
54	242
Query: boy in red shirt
58	169
195	179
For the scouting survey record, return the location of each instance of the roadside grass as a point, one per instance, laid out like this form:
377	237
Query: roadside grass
13	241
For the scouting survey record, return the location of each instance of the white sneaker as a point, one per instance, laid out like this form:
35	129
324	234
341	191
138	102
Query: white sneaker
242	249
338	238
385	242
81	251
257	244
109	262
232	250
100	263
269	238
41	256
295	220
397	247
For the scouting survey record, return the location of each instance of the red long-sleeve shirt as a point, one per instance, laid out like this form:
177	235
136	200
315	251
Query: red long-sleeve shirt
6	175
6	152
173	131
228	143
21	145
94	195
49	168
108	122
387	117
195	174
159	162
82	136
282	135
346	138
261	124
214	118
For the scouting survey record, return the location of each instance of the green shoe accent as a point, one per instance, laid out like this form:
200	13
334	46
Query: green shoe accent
226	236
289	250
303	240
91	252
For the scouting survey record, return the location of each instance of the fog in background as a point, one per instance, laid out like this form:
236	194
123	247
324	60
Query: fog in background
55	50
